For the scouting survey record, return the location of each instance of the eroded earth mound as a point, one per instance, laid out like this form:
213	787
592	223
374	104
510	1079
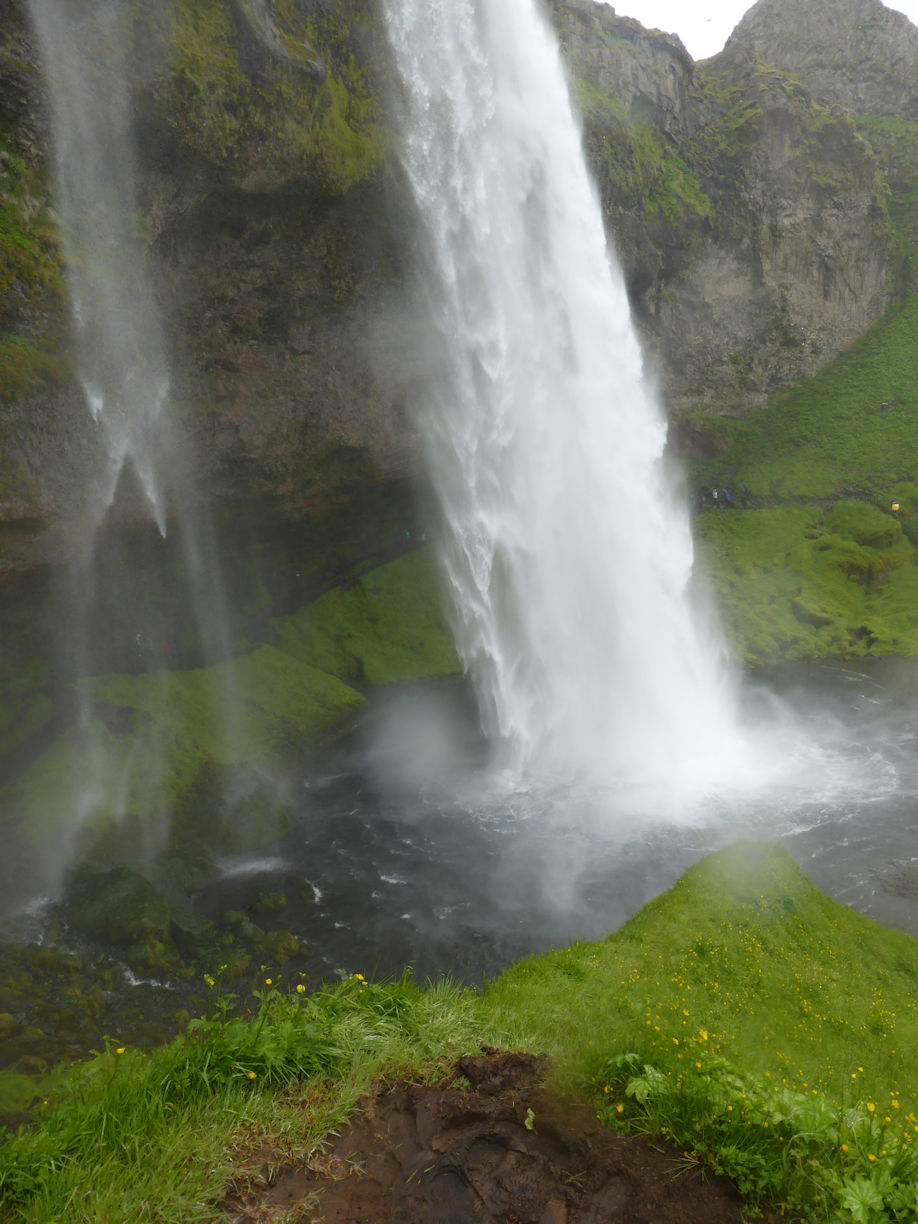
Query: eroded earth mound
493	1145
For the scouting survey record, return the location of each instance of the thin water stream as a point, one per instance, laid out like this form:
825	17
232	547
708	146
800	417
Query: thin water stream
140	471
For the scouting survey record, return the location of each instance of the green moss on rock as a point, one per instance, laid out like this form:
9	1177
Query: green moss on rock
796	582
637	159
269	110
236	712
117	907
28	238
198	761
864	523
387	627
22	717
25	365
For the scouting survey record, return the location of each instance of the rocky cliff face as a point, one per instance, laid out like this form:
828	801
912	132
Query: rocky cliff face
261	156
751	218
856	54
796	261
762	227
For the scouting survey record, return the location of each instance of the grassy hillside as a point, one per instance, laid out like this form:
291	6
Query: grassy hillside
203	756
809	558
770	1031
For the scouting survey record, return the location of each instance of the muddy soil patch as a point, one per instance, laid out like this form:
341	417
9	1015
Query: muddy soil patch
494	1145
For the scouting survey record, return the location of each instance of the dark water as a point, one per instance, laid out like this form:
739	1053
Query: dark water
410	850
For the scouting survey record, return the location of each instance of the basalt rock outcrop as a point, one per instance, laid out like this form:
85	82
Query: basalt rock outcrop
751	215
855	54
262	152
756	205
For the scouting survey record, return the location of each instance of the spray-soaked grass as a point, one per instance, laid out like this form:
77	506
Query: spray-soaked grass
832	434
797	582
157	738
388	627
770	1031
748	1016
782	979
157	1137
796	574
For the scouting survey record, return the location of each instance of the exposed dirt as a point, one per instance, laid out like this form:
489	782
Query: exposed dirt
495	1145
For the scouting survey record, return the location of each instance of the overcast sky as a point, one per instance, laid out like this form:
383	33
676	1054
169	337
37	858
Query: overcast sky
705	25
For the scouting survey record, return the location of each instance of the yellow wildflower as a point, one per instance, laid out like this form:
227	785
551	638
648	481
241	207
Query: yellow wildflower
120	1050
301	989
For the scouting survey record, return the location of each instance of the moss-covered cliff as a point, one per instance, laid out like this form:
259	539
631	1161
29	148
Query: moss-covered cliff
761	231
262	151
751	217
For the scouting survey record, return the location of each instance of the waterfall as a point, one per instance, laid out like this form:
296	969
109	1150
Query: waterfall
121	358
142	592
567	556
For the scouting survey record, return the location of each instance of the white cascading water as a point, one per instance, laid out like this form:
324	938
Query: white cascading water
118	614
121	354
567	557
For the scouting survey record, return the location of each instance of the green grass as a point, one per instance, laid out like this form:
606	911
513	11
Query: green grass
817	563
157	1137
782	979
804	582
832	435
388	627
765	1028
168	747
772	1033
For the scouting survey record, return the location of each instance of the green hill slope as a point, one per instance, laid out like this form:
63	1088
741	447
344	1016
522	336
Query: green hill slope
770	1031
808	557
